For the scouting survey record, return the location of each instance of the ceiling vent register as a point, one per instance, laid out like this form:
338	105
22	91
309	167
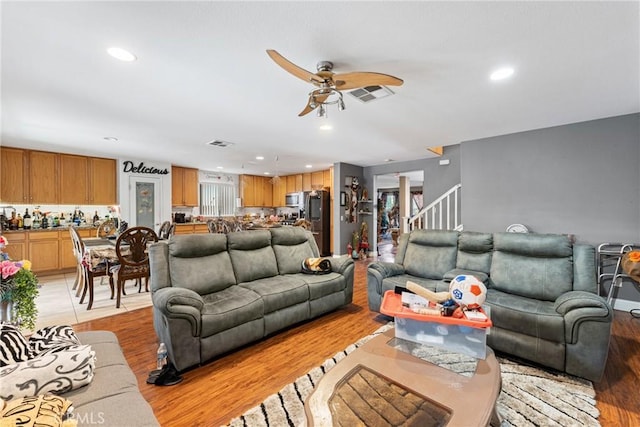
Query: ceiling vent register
219	143
371	93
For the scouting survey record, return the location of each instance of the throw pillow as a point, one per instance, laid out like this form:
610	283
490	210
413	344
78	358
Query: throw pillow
53	337
49	372
14	347
38	411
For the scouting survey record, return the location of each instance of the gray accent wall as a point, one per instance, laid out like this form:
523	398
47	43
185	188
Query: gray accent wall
581	179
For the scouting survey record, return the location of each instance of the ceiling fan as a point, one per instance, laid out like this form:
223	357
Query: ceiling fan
329	84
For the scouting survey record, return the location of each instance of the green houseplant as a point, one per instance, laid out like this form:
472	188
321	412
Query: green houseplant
18	291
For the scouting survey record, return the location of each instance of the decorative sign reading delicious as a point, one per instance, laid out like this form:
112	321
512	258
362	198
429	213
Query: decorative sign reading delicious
128	166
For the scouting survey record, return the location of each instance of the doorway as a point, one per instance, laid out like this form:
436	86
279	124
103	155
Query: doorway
395	205
145	197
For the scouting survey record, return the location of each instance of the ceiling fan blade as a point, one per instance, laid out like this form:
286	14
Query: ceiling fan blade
362	79
292	68
307	109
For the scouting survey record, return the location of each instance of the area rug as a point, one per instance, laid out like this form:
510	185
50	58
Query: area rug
530	397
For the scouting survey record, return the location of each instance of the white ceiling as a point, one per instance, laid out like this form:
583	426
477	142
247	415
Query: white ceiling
202	74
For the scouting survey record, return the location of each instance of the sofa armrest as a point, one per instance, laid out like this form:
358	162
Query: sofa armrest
180	303
340	264
580	306
387	269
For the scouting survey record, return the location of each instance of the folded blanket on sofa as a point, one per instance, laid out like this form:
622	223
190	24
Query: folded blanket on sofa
316	266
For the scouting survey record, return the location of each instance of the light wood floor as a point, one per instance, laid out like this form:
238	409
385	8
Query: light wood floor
225	388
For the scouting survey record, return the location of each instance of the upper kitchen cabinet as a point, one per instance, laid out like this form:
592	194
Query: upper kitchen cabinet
306	182
74	179
256	191
184	186
43	177
14	175
87	180
103	188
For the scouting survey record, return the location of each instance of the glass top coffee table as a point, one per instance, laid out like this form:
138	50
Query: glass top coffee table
390	382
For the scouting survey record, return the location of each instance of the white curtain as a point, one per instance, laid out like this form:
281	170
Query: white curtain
217	199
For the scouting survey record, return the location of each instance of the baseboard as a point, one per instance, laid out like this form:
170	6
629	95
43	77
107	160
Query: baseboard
625	305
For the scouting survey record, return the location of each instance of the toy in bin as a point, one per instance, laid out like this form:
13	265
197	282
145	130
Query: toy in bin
464	299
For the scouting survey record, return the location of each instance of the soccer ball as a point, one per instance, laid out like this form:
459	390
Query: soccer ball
467	291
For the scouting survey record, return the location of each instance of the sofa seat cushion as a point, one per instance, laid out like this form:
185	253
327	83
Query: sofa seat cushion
229	308
526	316
323	284
279	292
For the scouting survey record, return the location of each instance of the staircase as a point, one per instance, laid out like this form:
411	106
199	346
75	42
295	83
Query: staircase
442	214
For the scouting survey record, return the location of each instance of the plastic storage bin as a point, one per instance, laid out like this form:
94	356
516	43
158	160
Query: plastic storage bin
458	335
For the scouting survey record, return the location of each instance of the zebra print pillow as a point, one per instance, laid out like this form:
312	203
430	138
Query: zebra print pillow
53	338
13	345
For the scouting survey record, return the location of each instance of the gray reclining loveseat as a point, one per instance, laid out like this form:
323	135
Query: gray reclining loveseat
541	291
213	293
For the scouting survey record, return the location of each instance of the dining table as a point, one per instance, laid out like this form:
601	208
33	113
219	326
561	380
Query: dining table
99	250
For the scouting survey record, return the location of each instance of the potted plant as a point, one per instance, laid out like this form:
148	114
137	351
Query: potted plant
18	291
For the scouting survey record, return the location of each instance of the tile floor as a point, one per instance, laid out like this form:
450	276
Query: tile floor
57	303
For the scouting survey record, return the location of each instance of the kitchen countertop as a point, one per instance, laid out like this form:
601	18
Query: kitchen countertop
64	227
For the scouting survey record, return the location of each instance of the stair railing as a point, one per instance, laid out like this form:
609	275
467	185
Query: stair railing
442	214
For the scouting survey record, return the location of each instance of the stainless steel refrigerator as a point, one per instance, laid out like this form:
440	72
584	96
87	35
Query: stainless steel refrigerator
318	213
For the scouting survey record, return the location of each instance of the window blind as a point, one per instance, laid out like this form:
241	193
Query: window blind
217	199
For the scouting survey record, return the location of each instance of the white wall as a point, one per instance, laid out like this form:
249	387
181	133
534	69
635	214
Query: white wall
124	189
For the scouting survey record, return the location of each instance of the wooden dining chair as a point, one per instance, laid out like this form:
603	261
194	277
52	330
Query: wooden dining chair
133	259
163	232
107	229
86	271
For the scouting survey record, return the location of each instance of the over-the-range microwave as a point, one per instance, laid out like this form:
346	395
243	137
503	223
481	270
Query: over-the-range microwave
295	200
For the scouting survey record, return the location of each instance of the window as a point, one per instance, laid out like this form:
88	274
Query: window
217	199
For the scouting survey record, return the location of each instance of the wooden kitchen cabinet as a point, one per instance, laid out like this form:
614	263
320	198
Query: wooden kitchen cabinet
256	191
17	247
279	193
291	183
74	179
43	251
317	179
267	191
14	175
103	182
29	176
43	177
247	190
184	186
327	178
306	182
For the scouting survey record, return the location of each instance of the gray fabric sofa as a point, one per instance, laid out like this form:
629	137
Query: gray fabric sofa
213	293
112	399
541	291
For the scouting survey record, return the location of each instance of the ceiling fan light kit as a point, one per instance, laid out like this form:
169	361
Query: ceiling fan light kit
329	84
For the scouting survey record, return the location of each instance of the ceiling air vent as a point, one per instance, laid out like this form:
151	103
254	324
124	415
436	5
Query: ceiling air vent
219	143
371	93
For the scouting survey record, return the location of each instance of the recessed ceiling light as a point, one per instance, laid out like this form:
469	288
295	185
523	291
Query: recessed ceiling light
388	160
308	166
219	167
326	126
259	157
267	173
121	54
501	73
110	138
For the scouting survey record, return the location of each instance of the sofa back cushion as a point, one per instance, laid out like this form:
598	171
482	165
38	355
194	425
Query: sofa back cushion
430	253
474	251
252	255
200	262
538	266
292	245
